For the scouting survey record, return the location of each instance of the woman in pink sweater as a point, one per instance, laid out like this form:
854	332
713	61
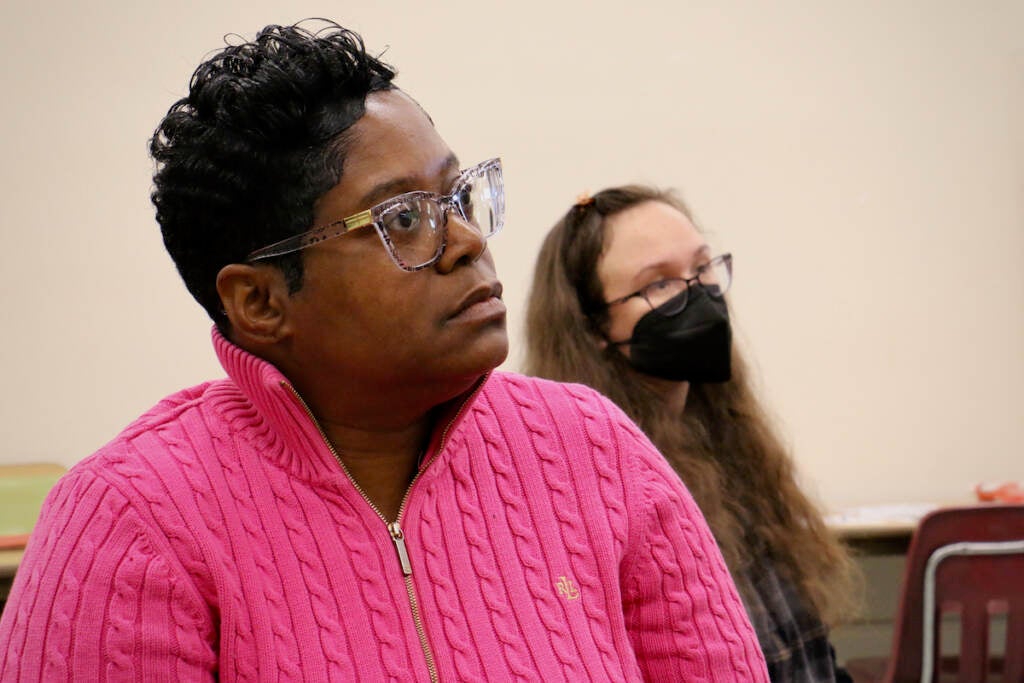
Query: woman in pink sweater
361	498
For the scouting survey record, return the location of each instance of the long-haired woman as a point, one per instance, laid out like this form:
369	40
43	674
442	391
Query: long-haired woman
628	298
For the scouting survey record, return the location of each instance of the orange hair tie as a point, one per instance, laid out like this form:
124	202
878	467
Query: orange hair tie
584	199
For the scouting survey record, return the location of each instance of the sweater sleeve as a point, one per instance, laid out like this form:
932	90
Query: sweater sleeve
99	596
682	609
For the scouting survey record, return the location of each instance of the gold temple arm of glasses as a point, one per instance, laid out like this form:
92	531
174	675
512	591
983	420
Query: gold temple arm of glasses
360	220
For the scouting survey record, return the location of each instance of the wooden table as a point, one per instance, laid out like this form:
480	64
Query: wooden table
879	529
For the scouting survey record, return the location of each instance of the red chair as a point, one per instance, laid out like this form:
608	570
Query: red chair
968	561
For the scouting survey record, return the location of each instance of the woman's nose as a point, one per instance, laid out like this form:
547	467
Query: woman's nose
464	242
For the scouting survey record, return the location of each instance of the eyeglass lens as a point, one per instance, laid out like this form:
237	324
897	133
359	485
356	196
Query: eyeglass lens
669	297
415	227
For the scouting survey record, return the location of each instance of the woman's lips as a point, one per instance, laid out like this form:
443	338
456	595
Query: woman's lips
481	303
481	309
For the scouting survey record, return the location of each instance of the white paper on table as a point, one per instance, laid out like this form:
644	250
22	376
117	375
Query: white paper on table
889	513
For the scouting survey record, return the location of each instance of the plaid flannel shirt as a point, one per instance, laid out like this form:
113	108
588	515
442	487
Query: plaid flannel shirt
793	638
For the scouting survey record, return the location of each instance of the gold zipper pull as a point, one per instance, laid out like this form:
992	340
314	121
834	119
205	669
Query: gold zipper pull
403	555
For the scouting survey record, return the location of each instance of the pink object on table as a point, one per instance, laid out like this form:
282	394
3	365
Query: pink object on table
1006	492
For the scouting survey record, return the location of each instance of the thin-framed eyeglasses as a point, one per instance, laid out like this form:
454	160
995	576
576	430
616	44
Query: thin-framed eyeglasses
669	297
414	226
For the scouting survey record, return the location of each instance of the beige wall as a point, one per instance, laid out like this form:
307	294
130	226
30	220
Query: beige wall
864	162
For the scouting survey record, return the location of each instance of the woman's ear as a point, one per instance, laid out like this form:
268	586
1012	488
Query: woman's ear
255	300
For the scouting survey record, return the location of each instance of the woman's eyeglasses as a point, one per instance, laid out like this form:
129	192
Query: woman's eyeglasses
413	226
669	297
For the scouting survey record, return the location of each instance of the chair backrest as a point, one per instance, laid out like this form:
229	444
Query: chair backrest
976	569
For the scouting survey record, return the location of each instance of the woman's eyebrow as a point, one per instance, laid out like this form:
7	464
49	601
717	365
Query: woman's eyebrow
393	186
655	266
702	251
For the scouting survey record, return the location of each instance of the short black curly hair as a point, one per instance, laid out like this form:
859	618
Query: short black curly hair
242	159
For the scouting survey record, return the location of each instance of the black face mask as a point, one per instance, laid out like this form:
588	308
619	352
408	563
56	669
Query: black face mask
691	346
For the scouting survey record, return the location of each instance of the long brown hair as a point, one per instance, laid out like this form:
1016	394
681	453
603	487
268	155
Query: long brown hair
723	445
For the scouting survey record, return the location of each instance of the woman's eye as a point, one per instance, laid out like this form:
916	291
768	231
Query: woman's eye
660	285
402	218
465	199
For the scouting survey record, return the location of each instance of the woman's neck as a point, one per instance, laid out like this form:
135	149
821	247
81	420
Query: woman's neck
382	437
674	393
382	463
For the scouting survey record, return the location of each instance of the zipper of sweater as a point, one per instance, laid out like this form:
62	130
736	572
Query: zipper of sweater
398	537
403	555
394	528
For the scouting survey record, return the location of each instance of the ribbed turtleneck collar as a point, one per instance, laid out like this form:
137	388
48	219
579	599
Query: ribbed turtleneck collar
284	425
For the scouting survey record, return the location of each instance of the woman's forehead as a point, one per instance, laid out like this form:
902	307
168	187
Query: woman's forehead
649	235
393	148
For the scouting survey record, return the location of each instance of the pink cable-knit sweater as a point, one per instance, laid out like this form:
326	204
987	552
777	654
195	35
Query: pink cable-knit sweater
544	539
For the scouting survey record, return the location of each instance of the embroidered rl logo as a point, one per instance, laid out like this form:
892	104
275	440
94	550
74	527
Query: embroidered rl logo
567	589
